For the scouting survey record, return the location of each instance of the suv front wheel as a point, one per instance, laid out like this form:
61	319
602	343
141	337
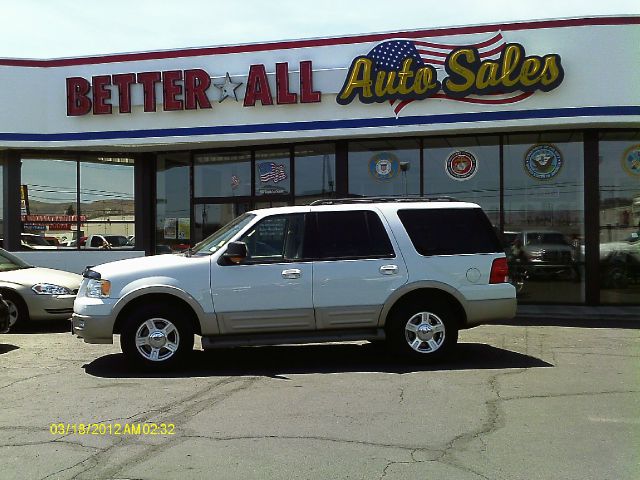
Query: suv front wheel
156	337
423	331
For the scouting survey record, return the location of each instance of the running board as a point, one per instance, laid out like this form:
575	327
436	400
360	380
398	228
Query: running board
281	338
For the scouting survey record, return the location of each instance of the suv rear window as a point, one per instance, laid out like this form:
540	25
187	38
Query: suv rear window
450	231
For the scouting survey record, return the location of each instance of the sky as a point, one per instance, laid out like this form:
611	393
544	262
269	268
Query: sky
43	29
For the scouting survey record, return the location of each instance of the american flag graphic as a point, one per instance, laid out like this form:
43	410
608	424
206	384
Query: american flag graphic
389	56
271	172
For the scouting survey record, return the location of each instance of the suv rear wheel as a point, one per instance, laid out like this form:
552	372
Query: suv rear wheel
156	337
423	331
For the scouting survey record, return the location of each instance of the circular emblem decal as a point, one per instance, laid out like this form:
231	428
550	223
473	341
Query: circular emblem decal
461	165
543	161
384	166
631	161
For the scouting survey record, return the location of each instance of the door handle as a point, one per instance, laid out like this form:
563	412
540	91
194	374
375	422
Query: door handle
291	273
389	269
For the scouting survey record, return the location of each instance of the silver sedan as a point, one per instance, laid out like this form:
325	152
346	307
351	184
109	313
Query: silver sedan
36	293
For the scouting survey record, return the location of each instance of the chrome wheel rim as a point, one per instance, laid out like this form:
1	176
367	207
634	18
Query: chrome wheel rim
13	313
425	332
157	339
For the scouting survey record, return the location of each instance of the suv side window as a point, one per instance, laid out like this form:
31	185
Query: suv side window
347	235
450	231
275	239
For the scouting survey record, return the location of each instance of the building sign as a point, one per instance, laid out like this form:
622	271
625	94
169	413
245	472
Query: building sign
631	161
384	166
24	200
51	222
543	162
461	165
183	90
406	70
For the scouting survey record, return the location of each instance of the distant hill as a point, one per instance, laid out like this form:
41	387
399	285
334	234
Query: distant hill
100	208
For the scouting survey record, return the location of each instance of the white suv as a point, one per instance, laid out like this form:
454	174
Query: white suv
411	272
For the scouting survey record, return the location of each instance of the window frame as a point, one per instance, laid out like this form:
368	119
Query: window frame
287	236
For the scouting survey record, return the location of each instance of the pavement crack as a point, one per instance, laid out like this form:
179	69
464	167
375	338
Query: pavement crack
97	466
493	422
229	438
575	394
26	379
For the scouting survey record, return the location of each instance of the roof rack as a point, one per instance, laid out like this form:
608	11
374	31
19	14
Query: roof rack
390	199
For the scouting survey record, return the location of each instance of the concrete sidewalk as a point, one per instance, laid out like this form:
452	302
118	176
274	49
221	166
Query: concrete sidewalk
578	312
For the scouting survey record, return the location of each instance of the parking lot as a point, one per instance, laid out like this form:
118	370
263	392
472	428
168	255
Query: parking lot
553	401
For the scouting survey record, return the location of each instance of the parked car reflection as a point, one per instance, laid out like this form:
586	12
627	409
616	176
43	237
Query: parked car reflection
620	263
544	254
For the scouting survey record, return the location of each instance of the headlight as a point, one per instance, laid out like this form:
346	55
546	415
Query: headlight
98	288
49	289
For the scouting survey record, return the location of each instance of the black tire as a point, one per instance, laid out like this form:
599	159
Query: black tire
438	331
170	343
18	310
616	277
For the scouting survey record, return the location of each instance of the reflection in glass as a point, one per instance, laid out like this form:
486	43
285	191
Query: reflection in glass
49	203
315	171
224	174
1	197
106	198
210	217
273	172
465	168
173	213
50	186
620	217
385	167
544	215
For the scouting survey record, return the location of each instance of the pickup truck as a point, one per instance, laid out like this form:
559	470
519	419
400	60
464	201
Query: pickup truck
106	242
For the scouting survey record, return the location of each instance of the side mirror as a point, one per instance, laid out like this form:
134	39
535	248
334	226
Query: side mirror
236	252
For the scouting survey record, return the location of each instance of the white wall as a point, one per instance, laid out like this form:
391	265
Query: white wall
600	64
74	261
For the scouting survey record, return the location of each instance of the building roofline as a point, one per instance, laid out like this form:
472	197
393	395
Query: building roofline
321	42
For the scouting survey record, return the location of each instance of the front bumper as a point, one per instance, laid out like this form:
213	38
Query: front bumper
93	329
50	307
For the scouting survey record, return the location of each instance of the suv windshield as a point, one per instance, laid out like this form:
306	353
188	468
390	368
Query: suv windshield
219	238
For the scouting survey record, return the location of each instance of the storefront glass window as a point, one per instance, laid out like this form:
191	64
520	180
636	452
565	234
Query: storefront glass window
211	216
173	213
225	174
56	215
620	217
544	216
385	167
465	168
49	203
273	172
315	172
106	202
1	197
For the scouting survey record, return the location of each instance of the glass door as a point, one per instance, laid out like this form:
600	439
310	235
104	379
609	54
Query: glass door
209	217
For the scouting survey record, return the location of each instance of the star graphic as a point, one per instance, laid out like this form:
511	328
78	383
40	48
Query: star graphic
228	88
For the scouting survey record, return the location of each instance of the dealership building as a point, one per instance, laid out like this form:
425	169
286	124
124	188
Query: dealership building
538	122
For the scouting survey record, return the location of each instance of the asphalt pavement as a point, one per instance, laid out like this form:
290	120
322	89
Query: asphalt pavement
555	399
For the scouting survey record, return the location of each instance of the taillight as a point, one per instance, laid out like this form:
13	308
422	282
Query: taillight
499	271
